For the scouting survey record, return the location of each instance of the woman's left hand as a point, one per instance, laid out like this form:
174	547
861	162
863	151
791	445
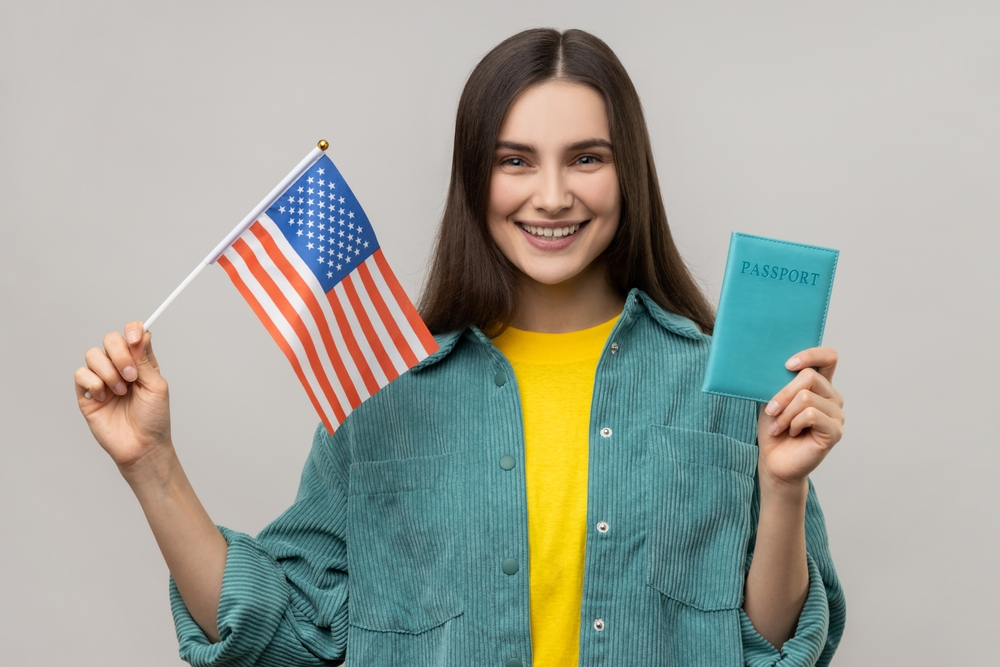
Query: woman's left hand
802	423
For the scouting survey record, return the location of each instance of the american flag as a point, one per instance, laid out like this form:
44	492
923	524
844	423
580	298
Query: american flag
311	269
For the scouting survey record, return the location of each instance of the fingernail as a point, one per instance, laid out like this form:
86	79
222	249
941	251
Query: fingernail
129	373
132	336
773	428
772	408
86	394
120	388
793	363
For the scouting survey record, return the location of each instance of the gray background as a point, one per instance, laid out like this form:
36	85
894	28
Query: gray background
134	136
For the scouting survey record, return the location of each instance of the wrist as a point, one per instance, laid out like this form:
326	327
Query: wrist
792	491
155	468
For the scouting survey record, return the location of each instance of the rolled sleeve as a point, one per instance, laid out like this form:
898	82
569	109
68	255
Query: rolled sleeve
806	646
255	594
821	623
284	593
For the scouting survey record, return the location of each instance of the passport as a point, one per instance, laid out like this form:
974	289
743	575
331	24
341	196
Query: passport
774	301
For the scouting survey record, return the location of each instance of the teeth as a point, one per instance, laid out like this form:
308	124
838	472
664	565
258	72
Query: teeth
551	232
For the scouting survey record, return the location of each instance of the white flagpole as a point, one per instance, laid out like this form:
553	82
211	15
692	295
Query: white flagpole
292	176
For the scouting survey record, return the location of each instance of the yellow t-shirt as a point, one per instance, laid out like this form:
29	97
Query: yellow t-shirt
555	377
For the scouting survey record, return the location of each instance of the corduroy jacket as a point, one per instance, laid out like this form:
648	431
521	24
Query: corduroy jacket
393	551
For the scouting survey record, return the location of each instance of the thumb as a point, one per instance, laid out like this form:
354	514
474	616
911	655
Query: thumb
142	352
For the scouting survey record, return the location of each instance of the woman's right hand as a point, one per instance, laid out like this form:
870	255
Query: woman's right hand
124	398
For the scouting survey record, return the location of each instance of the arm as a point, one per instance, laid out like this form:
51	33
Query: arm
125	402
796	431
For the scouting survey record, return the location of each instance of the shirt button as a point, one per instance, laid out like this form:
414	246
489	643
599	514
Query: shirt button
500	379
509	566
614	347
606	432
599	624
602	527
513	662
507	462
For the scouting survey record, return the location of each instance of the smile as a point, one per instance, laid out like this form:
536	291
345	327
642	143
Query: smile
550	232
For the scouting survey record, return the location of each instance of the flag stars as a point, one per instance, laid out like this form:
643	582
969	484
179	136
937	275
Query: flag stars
309	180
329	274
341	201
291	200
366	244
321	171
341	211
301	189
350	225
341	232
339	267
321	225
340	255
299	233
321	248
351	214
309	246
309	235
311	213
312	203
281	209
312	192
340	244
310	224
330	263
348	260
322	216
341	222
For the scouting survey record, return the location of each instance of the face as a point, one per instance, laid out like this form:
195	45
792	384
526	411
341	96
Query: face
554	197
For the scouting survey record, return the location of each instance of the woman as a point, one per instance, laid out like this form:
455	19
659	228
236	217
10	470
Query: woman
559	430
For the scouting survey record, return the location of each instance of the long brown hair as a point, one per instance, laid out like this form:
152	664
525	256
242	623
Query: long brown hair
470	281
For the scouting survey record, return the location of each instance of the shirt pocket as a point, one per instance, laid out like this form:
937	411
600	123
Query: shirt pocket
405	547
699	520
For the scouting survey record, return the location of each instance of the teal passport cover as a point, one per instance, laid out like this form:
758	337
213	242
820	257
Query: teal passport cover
775	296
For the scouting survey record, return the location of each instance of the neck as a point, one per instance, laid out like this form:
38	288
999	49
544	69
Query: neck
584	301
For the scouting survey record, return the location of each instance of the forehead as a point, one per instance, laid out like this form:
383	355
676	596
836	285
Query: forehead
556	113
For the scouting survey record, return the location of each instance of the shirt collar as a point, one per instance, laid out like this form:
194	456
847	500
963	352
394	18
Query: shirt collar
637	304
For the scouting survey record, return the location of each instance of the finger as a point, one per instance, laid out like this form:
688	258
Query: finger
803	401
823	359
99	363
89	385
808	379
825	429
117	350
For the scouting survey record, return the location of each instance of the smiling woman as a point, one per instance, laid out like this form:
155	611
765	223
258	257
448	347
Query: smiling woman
551	487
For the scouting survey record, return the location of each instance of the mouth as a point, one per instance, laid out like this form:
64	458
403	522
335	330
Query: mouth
551	232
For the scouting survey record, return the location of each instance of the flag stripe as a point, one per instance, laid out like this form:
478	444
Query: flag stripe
364	355
337	402
399	341
359	355
286	299
358	310
417	325
349	381
276	335
380	329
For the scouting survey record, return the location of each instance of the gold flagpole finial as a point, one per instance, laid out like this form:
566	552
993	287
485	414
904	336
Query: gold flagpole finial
323	145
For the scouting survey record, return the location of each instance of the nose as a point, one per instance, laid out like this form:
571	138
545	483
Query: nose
552	193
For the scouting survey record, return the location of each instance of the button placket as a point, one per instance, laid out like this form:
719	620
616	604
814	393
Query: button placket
599	624
603	527
605	432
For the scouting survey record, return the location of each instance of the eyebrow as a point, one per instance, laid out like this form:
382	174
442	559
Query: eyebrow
577	146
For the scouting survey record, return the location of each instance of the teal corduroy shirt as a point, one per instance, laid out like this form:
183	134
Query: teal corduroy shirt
408	541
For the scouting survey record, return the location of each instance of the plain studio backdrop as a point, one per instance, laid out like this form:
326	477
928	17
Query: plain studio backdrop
134	136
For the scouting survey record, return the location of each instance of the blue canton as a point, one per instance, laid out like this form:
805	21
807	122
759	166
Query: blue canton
324	223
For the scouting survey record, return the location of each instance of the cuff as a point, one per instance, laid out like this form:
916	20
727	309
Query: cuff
254	597
806	645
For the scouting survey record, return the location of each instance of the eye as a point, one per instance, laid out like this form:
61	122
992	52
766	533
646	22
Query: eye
513	162
588	159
